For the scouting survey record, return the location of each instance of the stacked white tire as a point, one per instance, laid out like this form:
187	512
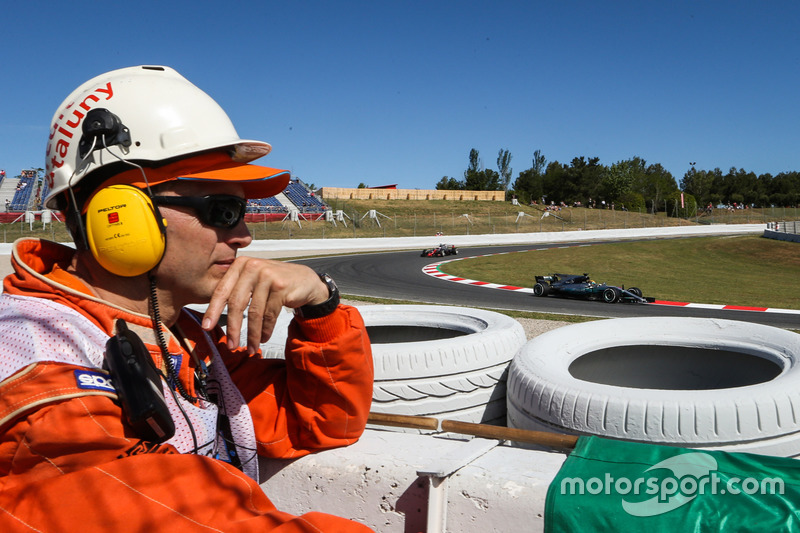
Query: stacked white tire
439	361
690	382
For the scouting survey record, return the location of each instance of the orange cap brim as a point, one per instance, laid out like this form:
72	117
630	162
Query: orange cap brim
257	181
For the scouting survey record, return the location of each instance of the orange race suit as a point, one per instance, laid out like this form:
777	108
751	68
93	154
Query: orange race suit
70	462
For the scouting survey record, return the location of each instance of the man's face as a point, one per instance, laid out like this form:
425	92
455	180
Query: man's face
197	255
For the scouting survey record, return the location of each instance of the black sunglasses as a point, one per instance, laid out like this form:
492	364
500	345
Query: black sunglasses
218	210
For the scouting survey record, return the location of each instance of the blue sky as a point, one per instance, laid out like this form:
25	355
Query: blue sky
390	92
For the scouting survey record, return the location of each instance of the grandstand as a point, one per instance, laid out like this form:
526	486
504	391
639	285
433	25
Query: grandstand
266	205
296	198
26	192
21	193
303	199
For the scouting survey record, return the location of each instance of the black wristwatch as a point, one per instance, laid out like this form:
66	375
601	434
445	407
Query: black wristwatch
325	308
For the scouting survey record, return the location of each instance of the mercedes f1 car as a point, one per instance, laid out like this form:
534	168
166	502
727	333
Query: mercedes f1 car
583	287
440	251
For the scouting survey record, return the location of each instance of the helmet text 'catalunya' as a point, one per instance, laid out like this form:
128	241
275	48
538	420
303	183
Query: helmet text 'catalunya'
68	129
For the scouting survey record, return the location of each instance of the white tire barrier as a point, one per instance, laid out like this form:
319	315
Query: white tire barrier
447	362
691	382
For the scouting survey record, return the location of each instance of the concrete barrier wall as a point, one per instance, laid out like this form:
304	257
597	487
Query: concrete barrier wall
499	239
781	236
401	482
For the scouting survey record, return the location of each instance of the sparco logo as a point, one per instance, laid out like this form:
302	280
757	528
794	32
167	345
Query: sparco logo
93	380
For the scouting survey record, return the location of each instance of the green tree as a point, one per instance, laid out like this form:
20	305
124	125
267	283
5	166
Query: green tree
484	180
631	201
528	184
578	181
554	176
504	166
631	182
783	190
473	176
680	207
656	185
745	185
618	179
698	184
477	178
449	184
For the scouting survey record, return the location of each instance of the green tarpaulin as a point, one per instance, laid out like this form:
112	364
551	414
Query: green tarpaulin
609	485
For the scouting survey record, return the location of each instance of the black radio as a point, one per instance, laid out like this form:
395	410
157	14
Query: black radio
138	385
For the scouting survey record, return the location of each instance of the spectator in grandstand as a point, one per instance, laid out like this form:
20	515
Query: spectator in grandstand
157	226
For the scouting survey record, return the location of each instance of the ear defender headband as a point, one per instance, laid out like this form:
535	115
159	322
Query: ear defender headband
124	230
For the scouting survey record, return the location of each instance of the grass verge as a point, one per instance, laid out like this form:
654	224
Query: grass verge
736	270
508	312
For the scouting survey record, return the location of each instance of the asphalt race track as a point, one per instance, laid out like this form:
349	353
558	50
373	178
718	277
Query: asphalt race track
398	275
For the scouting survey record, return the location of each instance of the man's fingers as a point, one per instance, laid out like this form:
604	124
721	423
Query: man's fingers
261	288
255	317
219	300
259	329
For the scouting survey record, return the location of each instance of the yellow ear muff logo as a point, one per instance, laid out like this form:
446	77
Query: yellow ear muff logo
123	230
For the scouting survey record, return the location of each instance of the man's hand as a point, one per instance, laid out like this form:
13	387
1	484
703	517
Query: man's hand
263	287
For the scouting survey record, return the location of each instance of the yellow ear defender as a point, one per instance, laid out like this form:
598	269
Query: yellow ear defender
125	231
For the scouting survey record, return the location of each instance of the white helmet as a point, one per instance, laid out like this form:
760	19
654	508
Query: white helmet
144	114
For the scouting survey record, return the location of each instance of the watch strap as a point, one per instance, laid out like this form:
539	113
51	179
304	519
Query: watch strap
325	308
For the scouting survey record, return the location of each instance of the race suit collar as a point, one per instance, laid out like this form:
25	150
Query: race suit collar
40	271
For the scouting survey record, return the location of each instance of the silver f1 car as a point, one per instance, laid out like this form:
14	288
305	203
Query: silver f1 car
583	287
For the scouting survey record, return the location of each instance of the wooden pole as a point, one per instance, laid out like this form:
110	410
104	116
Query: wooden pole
543	438
403	421
553	440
